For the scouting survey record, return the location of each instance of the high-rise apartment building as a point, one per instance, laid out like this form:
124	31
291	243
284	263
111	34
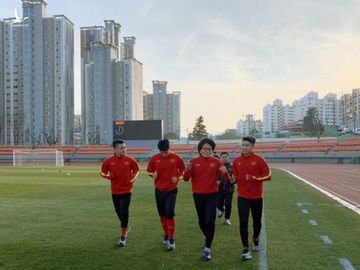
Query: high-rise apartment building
163	106
350	109
273	117
112	83
37	67
249	126
276	116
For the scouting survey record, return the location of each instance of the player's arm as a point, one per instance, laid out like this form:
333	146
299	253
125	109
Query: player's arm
233	178
135	171
223	172
105	173
187	174
151	169
265	171
181	168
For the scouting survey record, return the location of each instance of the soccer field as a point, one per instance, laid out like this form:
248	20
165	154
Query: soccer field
52	220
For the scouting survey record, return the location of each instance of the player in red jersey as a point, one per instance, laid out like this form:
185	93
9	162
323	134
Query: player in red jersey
122	171
204	171
226	190
250	171
166	168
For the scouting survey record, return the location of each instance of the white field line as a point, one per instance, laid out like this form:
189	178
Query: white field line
344	201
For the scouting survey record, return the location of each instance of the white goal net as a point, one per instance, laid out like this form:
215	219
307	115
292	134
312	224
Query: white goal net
50	157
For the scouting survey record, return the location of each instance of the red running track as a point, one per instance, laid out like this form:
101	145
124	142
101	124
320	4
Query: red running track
342	180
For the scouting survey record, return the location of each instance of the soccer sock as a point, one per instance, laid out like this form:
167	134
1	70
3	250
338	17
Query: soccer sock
164	225
171	227
123	232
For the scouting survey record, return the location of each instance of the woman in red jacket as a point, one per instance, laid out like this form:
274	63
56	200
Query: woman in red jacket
204	171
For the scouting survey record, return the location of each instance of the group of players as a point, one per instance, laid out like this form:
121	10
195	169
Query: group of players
212	178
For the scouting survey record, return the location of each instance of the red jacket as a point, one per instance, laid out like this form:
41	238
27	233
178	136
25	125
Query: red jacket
121	171
204	173
166	168
250	172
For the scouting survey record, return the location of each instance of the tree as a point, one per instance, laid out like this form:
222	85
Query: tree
50	137
171	136
199	131
312	122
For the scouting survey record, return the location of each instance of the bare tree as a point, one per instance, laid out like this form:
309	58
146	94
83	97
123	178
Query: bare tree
50	137
17	127
36	141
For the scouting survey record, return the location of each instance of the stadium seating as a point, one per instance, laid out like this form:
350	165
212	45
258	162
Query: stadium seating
309	145
350	145
105	150
278	148
226	147
183	148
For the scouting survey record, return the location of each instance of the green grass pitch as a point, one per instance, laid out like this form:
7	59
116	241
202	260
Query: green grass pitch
52	220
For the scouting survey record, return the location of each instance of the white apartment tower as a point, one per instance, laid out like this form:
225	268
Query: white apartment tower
37	82
275	116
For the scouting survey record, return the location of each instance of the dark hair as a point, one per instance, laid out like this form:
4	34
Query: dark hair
249	139
116	142
208	141
164	145
224	153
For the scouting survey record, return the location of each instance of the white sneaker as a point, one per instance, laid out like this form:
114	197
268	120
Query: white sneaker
220	213
171	244
246	254
207	254
227	222
122	241
256	245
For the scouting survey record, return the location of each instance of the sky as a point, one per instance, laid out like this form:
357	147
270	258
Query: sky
229	58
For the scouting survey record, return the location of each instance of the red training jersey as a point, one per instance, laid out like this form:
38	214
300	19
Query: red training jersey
204	173
121	171
166	168
250	172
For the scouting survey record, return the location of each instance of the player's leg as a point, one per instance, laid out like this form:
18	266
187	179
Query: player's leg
220	203
244	210
200	210
124	203
256	213
211	202
170	217
228	207
116	202
160	198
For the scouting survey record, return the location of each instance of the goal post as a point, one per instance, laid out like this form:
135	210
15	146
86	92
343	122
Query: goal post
50	157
